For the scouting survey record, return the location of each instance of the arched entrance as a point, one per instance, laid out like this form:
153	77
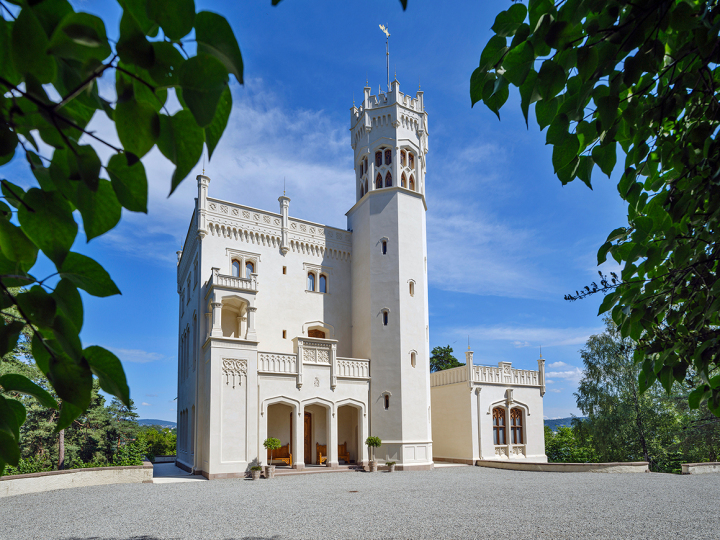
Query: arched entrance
349	430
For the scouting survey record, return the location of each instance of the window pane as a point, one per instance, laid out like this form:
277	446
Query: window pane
311	282
236	269
388	180
378	159
388	157
323	284
249	269
378	181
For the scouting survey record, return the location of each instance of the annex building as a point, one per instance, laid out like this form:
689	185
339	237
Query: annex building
319	336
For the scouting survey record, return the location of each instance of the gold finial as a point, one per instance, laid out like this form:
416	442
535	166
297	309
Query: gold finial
540	351
203	163
283	186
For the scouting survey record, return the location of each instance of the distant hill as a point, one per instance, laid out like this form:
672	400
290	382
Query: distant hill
558	422
156	422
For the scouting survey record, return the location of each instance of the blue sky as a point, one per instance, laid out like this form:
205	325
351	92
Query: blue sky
506	240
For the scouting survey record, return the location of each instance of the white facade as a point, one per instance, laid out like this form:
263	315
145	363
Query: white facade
311	334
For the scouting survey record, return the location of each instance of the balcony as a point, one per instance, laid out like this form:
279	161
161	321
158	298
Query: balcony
232	282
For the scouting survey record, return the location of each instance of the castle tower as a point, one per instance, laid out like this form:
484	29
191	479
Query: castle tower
389	271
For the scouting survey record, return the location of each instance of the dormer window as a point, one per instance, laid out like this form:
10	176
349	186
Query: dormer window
378	158
388	157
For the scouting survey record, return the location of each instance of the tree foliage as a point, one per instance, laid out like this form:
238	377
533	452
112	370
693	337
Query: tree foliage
565	446
644	76
442	358
51	59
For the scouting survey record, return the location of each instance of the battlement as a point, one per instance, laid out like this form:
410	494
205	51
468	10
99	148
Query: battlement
385	99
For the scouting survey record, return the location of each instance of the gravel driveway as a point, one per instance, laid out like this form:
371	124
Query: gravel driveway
449	502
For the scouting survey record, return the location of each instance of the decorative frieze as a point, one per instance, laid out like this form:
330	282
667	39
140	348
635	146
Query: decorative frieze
235	369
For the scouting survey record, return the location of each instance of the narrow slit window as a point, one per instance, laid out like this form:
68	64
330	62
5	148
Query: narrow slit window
411	159
323	283
413	359
385	318
284	334
387	401
284	269
384	247
311	282
412	288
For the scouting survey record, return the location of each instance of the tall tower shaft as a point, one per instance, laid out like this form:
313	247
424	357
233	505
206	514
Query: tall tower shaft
389	270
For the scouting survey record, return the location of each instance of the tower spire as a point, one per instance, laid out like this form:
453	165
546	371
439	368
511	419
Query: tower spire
386	31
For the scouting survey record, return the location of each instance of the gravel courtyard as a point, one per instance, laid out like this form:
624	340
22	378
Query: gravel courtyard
449	502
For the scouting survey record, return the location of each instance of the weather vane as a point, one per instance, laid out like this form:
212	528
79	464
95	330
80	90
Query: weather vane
386	31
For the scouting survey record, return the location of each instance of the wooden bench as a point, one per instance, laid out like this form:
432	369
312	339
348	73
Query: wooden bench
281	454
321	450
343	452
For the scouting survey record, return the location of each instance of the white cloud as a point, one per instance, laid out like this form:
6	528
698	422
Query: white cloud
529	336
574	374
136	355
553	365
521	344
146	404
549	381
556	390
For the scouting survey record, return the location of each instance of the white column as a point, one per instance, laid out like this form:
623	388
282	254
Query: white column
332	430
469	366
251	334
363	434
299	364
541	375
333	366
262	434
202	182
238	332
216	319
299	437
284	206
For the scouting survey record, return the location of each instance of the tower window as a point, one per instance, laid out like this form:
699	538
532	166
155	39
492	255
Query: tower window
323	284
284	334
385	318
284	270
403	181
378	158
387	401
412	184
388	179
413	359
384	247
236	269
311	282
412	288
249	269
402	158
411	159
388	157
378	181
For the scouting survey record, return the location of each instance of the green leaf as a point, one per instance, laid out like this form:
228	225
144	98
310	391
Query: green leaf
587	61
100	210
528	94
518	62
37	305
492	53
545	111
602	252
696	397
605	155
181	141
19	409
203	79
215	37
607	110
12	382
40	353
8	142
9	433
137	125
71	380
133	47
50	224
80	36
565	152
537	8
507	22
175	17
88	275
495	96
15	245
584	170
129	182
551	79
9	334
109	371
214	131
29	42
67	336
6	64
88	165
68	414
608	302
137	8
477	84
69	302
167	63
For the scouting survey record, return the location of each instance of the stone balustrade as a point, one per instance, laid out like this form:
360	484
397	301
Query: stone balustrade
503	374
354	368
277	363
232	282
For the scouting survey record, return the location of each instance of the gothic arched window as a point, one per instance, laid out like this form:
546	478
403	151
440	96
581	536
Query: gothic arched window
412	184
378	158
378	181
411	158
413	359
323	284
388	157
362	191
388	179
236	269
311	282
403	182
498	415
249	269
365	167
366	186
516	434
402	157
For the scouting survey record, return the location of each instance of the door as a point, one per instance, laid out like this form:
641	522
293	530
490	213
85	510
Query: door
308	437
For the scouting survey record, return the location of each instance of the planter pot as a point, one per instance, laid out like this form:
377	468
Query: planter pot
391	468
270	471
255	475
373	466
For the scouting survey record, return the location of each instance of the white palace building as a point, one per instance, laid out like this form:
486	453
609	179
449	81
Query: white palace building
319	336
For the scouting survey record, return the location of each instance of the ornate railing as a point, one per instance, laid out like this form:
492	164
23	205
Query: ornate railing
277	362
353	368
502	374
232	282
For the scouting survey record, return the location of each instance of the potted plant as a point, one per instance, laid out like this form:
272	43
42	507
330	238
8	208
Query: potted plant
255	472
391	466
372	443
271	443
